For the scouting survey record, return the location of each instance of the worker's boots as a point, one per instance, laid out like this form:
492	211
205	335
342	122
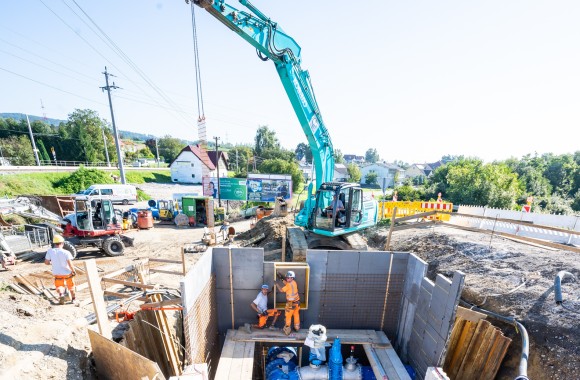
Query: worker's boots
287	330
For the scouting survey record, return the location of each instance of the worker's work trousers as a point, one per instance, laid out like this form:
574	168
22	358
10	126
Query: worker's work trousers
64	280
262	319
292	309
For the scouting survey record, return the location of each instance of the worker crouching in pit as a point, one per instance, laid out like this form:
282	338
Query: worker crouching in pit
260	306
292	308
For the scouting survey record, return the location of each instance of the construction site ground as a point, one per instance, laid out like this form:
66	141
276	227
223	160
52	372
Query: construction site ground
42	340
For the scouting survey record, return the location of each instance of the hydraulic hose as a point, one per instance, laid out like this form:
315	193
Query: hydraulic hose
523	366
558	284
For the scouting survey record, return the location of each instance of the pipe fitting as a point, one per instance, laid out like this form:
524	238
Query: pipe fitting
561	276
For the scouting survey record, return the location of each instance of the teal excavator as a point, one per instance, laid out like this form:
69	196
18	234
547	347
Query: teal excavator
272	43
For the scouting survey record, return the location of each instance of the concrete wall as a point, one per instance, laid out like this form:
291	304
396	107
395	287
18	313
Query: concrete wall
200	314
348	290
533	230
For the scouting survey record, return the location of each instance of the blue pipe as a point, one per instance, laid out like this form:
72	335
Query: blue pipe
278	368
558	284
335	362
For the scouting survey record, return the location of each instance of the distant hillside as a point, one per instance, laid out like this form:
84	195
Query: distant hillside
21	116
135	136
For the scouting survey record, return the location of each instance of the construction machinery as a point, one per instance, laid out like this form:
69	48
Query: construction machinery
95	223
272	43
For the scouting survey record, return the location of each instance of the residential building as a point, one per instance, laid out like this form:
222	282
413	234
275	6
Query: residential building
188	165
352	158
386	173
340	172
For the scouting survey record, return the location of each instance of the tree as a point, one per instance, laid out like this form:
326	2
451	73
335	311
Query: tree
469	181
170	147
372	155
303	151
279	166
42	153
354	174
265	140
239	160
86	128
18	150
338	156
371	178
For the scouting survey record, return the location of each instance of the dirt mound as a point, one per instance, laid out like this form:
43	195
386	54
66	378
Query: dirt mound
272	227
511	279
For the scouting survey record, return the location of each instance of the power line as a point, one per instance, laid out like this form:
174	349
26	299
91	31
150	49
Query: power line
50	86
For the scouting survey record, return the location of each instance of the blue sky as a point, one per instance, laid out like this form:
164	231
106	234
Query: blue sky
413	79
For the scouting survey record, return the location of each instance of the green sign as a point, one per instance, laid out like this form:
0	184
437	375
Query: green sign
233	189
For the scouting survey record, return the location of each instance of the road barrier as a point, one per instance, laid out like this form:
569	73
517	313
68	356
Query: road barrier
408	208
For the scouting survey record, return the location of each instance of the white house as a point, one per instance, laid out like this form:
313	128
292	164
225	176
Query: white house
385	173
187	166
340	172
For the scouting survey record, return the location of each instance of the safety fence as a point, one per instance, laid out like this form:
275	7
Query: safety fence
409	208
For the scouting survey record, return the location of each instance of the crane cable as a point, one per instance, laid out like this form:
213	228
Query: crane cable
198	87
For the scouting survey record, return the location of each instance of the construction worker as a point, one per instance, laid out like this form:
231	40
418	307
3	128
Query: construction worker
292	308
62	269
260	306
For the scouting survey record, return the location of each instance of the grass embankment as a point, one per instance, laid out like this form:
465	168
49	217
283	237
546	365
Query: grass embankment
12	185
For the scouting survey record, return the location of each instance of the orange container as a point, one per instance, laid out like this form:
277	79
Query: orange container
144	219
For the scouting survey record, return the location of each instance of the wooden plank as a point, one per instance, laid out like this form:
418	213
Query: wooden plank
97	297
225	362
153	270
165	261
469	315
396	363
485	344
248	362
376	365
472	350
17	288
122	295
175	301
113	361
119	271
183	261
458	352
168	341
24	281
127	283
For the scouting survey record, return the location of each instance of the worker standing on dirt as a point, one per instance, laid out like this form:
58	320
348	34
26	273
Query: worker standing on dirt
292	308
260	306
62	269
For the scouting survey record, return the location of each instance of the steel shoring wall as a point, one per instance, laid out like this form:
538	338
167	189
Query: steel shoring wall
200	326
357	301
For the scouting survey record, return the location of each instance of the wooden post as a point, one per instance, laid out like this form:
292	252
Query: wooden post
97	296
231	288
388	243
183	260
284	245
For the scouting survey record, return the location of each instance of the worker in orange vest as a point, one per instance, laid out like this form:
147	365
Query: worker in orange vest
292	308
439	199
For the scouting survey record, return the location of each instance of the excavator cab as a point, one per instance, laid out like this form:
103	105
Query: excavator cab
339	209
95	216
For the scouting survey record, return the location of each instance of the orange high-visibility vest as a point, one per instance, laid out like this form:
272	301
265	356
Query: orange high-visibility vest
291	289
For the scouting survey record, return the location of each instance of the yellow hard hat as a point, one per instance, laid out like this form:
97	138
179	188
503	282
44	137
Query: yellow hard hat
57	239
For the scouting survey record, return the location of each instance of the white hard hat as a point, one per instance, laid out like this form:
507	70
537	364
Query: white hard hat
290	274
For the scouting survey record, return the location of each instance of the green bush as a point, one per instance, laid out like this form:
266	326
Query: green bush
82	179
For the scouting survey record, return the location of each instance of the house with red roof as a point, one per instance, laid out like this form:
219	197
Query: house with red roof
189	164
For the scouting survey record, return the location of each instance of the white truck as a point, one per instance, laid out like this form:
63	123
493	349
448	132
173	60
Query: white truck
124	194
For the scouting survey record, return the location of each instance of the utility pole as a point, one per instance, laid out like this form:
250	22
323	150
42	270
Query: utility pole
218	170
115	134
33	143
157	150
106	149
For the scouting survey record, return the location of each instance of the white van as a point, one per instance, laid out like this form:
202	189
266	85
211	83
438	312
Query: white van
124	194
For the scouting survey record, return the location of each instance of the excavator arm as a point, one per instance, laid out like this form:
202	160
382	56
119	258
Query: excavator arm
272	43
